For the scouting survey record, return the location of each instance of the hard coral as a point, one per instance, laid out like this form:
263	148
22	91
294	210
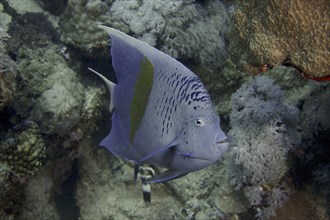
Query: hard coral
79	25
23	149
271	31
54	88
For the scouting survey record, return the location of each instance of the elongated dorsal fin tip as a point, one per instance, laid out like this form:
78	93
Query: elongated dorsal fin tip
109	29
110	85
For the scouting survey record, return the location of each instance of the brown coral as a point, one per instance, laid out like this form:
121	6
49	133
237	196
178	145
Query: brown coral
271	31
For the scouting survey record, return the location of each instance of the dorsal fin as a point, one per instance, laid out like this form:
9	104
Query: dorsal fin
127	51
110	85
135	76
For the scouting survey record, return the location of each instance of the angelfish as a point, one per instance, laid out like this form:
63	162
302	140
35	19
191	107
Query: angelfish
162	113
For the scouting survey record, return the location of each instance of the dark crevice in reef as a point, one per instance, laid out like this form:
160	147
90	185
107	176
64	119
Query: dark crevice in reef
9	10
64	198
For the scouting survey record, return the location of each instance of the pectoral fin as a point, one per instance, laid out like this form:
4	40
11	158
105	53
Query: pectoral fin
158	151
166	176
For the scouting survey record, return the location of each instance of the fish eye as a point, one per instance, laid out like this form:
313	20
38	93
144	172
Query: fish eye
199	122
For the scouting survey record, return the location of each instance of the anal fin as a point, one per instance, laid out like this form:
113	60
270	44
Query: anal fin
117	142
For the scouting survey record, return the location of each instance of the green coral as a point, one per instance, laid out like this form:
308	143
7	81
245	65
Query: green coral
23	149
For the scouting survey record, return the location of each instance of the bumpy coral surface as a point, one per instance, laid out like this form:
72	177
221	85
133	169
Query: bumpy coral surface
263	131
79	25
271	31
23	150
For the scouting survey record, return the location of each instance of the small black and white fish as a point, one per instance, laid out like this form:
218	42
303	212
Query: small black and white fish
145	173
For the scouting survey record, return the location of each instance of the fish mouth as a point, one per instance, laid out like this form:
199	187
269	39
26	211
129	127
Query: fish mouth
222	145
223	141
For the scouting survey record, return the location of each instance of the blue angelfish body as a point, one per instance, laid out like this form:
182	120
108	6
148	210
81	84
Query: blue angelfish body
162	113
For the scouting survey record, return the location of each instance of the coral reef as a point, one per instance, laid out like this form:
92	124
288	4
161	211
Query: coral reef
22	152
303	206
7	80
8	72
57	100
50	92
270	32
79	26
5	19
264	132
22	7
295	87
198	33
51	96
184	29
54	7
111	194
23	148
32	30
38	193
279	127
279	130
315	110
146	19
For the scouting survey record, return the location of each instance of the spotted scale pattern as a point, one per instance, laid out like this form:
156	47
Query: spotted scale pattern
176	93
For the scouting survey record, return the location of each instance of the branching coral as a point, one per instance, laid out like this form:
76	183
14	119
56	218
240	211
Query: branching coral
275	199
198	33
183	29
263	132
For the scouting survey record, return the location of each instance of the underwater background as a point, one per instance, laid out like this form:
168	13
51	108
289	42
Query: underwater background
265	64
